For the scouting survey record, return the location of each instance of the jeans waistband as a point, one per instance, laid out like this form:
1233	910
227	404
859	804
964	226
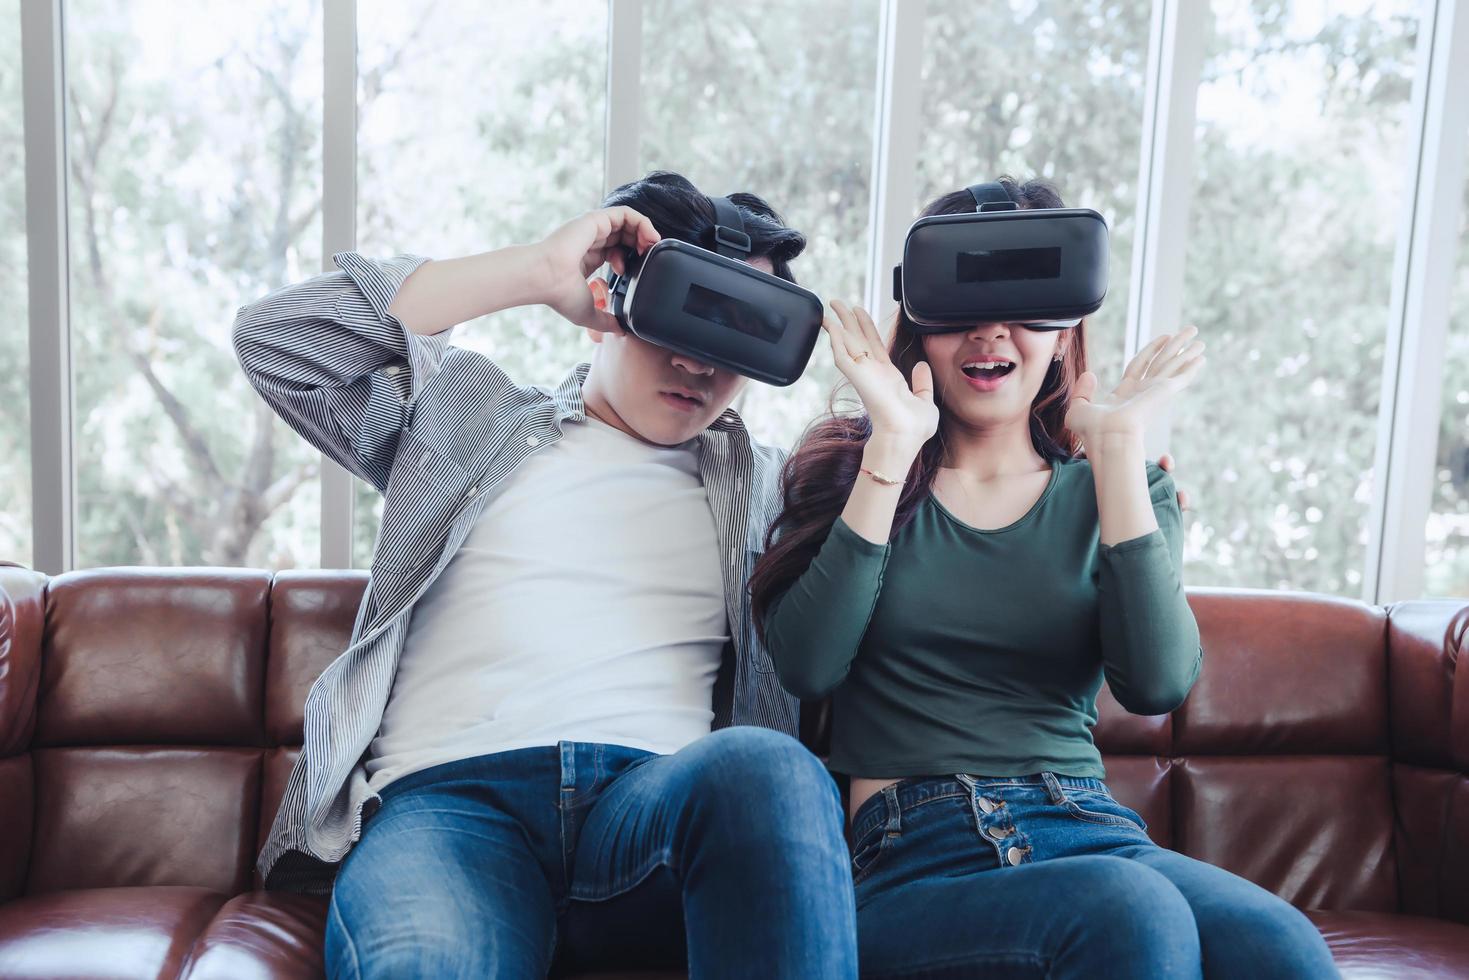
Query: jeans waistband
561	762
885	805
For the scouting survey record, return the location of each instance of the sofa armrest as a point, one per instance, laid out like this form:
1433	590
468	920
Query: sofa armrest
22	619
1428	684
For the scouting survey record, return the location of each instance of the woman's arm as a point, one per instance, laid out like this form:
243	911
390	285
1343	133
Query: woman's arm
1150	641
1149	637
814	630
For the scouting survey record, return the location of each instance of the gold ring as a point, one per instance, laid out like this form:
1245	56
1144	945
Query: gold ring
858	357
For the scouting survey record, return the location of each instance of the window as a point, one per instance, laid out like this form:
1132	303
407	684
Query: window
479	128
779	100
194	186
1051	90
1301	137
193	168
1447	557
15	411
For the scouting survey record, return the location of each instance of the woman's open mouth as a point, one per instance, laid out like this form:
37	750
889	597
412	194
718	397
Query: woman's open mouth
987	374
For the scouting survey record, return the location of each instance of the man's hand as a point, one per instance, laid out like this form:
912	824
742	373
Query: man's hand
579	248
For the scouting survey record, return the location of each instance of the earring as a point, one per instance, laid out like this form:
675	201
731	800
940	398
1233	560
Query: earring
1057	356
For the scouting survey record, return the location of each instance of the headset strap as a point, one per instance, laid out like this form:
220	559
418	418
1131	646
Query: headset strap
730	238
992	197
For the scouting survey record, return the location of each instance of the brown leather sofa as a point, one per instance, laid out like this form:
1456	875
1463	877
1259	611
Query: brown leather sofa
148	719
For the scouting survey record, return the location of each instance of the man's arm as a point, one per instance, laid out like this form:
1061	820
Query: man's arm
330	359
441	295
342	356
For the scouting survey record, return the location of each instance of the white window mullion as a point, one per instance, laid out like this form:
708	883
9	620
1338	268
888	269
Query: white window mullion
1165	182
43	83
338	232
624	86
895	147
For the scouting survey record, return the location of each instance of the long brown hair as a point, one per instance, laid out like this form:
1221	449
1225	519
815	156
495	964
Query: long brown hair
819	475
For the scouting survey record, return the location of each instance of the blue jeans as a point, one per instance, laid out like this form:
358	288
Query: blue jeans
1049	876
728	855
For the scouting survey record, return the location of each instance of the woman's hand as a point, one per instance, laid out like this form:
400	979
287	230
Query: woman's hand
1185	498
579	248
1160	371
903	417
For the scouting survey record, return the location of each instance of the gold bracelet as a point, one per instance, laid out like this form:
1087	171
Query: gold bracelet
886	481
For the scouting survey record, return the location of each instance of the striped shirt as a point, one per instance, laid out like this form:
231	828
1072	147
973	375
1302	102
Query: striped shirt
438	430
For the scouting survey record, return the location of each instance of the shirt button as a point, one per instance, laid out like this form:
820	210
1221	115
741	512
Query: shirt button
472	491
532	440
392	370
1014	855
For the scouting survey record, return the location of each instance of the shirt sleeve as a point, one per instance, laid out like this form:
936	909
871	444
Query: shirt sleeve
1150	640
814	629
331	359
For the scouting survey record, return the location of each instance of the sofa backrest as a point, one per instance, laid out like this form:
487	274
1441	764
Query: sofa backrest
161	718
149	719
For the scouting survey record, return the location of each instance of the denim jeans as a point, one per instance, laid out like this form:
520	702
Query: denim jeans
1049	876
728	855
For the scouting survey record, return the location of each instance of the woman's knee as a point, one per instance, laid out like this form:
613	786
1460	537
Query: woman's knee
1129	912
1264	938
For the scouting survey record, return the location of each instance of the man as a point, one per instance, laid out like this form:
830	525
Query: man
554	739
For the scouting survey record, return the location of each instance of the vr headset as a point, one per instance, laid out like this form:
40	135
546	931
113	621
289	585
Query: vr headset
716	307
1045	268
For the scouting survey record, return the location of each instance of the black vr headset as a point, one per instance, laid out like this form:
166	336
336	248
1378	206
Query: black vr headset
1043	267
716	307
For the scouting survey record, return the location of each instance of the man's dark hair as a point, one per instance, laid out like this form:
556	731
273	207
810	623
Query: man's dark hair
680	210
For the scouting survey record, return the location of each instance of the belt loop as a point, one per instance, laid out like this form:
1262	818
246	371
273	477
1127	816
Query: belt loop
1053	788
894	826
568	764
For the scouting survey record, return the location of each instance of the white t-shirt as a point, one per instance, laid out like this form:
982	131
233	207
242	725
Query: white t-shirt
586	604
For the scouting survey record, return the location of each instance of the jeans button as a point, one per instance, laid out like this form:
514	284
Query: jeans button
1014	855
987	805
999	833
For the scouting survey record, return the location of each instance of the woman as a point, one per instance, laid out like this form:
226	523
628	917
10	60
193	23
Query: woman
962	580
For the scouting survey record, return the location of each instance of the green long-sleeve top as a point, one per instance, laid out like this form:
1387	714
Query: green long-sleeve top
954	649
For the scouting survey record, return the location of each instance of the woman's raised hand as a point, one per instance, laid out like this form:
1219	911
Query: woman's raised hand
902	415
1153	378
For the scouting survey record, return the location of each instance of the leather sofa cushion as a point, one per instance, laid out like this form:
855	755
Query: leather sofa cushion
139	816
103	933
154	656
1404	947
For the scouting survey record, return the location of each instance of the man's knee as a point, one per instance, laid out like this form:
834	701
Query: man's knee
428	935
764	784
424	896
764	765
